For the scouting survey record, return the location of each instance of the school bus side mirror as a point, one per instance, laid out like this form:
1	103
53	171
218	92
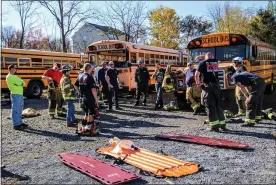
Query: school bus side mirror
254	51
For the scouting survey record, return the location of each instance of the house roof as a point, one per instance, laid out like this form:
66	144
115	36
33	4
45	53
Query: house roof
105	29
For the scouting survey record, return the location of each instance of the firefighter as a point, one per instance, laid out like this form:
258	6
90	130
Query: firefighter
69	95
142	80
169	80
102	82
86	87
211	92
180	87
240	98
53	76
158	76
193	95
254	97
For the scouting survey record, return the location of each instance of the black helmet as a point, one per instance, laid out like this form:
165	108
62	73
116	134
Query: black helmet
66	67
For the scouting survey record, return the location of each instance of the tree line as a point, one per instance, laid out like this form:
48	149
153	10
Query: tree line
165	27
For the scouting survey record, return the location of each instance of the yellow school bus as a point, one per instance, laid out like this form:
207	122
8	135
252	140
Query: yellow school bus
125	56
31	64
258	57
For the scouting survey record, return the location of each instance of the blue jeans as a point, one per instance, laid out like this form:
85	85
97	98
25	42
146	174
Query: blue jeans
159	94
70	111
17	108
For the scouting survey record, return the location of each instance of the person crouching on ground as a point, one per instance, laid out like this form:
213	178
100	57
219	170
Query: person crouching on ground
193	95
15	85
69	95
88	93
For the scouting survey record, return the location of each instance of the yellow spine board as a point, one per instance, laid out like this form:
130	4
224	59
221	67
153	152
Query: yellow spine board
155	163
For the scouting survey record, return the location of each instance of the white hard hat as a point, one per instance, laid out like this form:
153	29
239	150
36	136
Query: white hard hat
237	60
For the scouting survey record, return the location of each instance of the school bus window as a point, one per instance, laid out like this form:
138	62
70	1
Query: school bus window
174	60
2	62
10	60
161	59
177	61
24	62
48	63
157	57
65	62
141	56
152	61
73	63
36	62
147	58
133	58
57	61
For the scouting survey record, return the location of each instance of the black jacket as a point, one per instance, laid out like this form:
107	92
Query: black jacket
142	76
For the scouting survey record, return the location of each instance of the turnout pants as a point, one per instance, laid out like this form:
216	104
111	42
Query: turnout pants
159	95
55	101
113	91
211	98
240	101
139	90
254	107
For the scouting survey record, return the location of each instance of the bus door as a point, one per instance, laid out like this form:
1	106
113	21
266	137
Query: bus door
124	77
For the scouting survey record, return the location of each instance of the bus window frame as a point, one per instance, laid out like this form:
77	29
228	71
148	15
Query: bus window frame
16	62
19	66
43	64
35	66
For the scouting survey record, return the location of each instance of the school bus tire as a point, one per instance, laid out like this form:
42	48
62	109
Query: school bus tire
270	87
34	89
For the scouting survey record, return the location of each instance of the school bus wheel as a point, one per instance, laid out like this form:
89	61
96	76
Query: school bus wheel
34	89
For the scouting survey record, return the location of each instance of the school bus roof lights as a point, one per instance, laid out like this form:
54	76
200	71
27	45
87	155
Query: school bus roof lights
92	48
119	46
234	39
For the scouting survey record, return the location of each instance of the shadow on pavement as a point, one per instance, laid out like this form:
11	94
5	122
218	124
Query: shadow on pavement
5	174
64	137
252	134
114	122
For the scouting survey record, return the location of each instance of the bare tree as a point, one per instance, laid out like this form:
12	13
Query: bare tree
26	12
10	38
231	18
215	12
125	16
68	15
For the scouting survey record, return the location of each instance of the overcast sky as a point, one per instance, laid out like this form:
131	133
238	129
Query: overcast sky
183	8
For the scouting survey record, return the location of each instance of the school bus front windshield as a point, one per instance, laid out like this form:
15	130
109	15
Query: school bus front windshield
119	58
222	53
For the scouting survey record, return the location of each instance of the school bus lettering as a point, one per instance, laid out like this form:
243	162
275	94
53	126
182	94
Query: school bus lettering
102	47
215	40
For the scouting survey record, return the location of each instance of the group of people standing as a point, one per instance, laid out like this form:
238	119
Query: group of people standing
201	86
203	90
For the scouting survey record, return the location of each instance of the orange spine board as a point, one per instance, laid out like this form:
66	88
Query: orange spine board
155	163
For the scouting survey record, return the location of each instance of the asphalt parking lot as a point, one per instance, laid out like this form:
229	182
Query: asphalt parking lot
32	152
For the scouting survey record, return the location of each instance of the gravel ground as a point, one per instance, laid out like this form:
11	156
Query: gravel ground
33	152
